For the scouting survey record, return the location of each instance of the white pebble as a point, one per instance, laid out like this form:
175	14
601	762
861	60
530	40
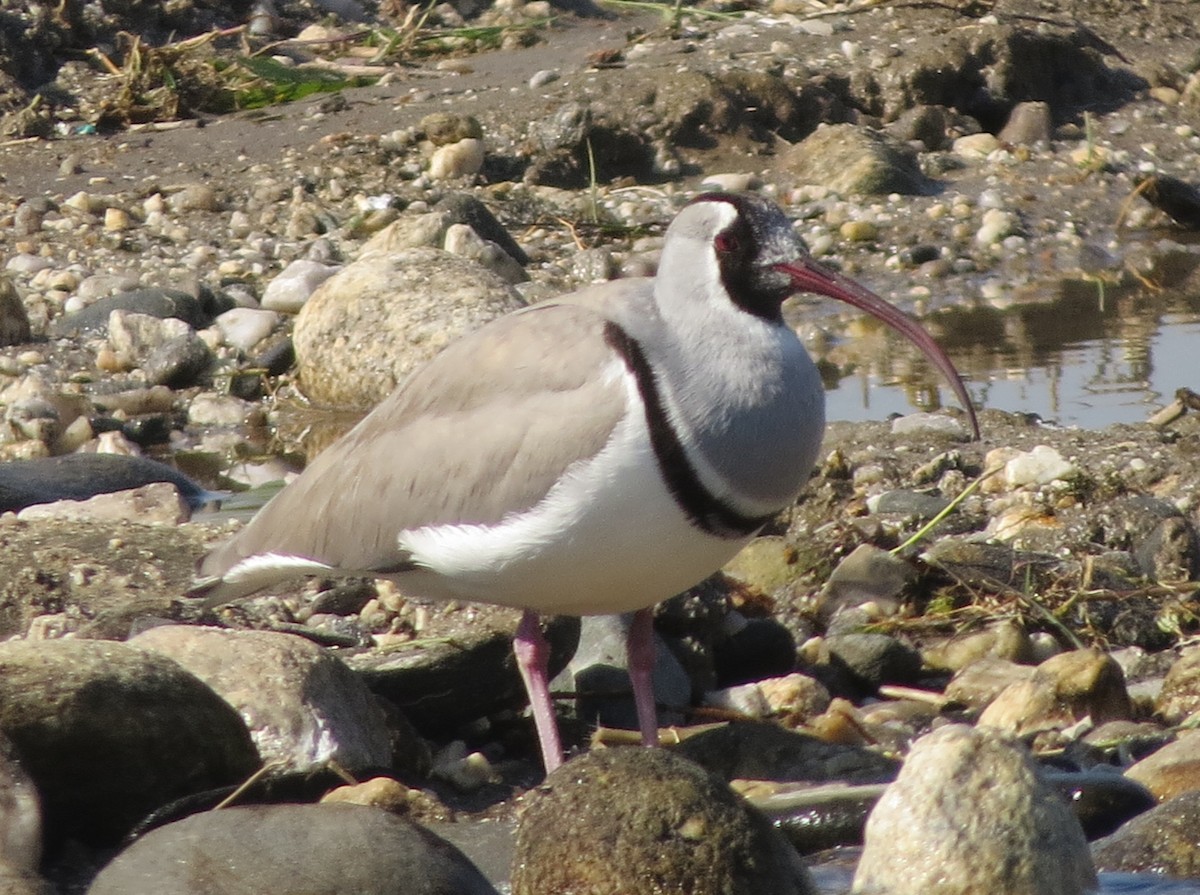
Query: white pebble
457	160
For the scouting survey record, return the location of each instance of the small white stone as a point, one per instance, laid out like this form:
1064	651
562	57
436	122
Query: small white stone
928	422
997	224
291	288
542	78
244	328
1039	466
457	160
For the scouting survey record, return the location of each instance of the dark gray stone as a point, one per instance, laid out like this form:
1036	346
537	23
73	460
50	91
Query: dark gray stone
24	483
328	849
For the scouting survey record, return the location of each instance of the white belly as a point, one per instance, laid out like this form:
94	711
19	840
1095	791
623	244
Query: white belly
608	538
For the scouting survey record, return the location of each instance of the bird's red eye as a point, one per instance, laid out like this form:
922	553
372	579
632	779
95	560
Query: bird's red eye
726	243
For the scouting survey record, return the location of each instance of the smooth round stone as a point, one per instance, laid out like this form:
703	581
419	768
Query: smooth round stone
1010	832
243	328
273	849
542	78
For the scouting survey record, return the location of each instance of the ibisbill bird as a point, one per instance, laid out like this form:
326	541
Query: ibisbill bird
591	454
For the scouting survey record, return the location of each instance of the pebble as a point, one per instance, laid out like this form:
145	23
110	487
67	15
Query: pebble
290	288
732	182
193	197
208	409
243	328
542	77
859	231
997	224
976	146
455	161
1039	466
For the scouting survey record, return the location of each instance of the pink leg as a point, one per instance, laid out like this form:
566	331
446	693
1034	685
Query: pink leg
639	646
533	655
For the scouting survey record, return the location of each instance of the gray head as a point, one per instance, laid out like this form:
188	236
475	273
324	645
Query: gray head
745	242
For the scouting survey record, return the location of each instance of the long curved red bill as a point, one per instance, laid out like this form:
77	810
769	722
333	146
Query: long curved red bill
809	276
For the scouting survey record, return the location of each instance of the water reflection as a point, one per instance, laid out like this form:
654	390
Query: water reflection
1082	354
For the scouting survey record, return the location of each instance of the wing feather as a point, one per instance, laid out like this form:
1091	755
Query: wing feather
485	429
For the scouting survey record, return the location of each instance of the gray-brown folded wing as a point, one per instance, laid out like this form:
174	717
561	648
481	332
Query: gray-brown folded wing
482	431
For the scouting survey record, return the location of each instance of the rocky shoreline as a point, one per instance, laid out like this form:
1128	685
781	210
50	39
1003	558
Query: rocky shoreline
196	291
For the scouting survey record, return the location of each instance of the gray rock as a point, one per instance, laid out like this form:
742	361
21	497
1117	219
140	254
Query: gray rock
368	326
460	673
271	849
599	673
1028	123
867	575
302	705
109	733
903	502
155	504
1161	841
970	805
873	659
757	750
80	476
133	336
462	240
852	160
463	208
162	303
1179	699
14	319
293	285
639	821
179	362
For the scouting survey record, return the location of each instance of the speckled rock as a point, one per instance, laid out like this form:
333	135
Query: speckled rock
853	160
109	733
1064	689
302	705
632	821
371	324
1179	699
968	815
1161	841
268	849
1171	770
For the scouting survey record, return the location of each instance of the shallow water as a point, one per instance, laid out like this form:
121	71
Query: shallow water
1082	357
